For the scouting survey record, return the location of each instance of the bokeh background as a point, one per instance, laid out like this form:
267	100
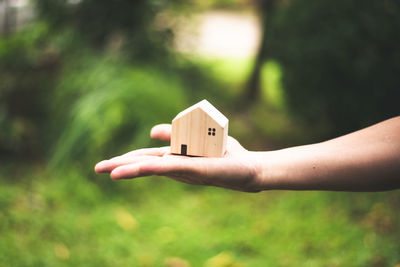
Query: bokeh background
84	80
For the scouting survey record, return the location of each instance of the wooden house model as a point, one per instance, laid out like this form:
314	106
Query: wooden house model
200	130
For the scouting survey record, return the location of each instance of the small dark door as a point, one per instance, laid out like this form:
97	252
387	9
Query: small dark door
183	149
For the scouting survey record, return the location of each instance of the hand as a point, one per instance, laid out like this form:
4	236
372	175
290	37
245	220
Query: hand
236	170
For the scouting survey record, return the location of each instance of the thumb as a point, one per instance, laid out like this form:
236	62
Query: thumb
161	132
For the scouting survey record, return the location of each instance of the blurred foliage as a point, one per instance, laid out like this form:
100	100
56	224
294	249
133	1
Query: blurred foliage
141	28
335	67
28	69
129	24
113	107
340	60
62	97
221	4
272	91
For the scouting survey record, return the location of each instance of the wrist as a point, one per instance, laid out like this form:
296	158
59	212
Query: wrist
267	174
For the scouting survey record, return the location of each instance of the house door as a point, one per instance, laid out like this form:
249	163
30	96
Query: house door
183	150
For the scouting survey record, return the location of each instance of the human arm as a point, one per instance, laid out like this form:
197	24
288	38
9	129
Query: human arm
366	160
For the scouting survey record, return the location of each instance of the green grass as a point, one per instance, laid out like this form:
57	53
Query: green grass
69	219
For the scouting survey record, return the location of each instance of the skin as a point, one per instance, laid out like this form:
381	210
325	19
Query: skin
365	160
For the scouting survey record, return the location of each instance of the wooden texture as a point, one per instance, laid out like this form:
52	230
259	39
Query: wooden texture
200	130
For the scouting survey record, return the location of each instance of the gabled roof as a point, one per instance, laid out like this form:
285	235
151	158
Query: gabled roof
207	108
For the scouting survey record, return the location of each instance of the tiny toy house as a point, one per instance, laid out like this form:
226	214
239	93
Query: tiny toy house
200	130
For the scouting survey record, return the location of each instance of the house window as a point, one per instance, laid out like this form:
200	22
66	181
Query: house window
211	131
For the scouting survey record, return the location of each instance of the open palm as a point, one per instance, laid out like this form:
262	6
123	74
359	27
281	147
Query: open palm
236	170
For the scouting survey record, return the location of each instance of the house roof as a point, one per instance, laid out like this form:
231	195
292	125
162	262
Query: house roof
207	108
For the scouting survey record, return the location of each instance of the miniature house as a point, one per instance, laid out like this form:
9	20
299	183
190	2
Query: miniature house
200	130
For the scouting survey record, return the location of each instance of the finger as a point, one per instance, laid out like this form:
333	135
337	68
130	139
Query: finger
154	166
234	145
161	132
154	151
184	169
109	165
105	165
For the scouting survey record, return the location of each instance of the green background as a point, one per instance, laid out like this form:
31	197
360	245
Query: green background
86	80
